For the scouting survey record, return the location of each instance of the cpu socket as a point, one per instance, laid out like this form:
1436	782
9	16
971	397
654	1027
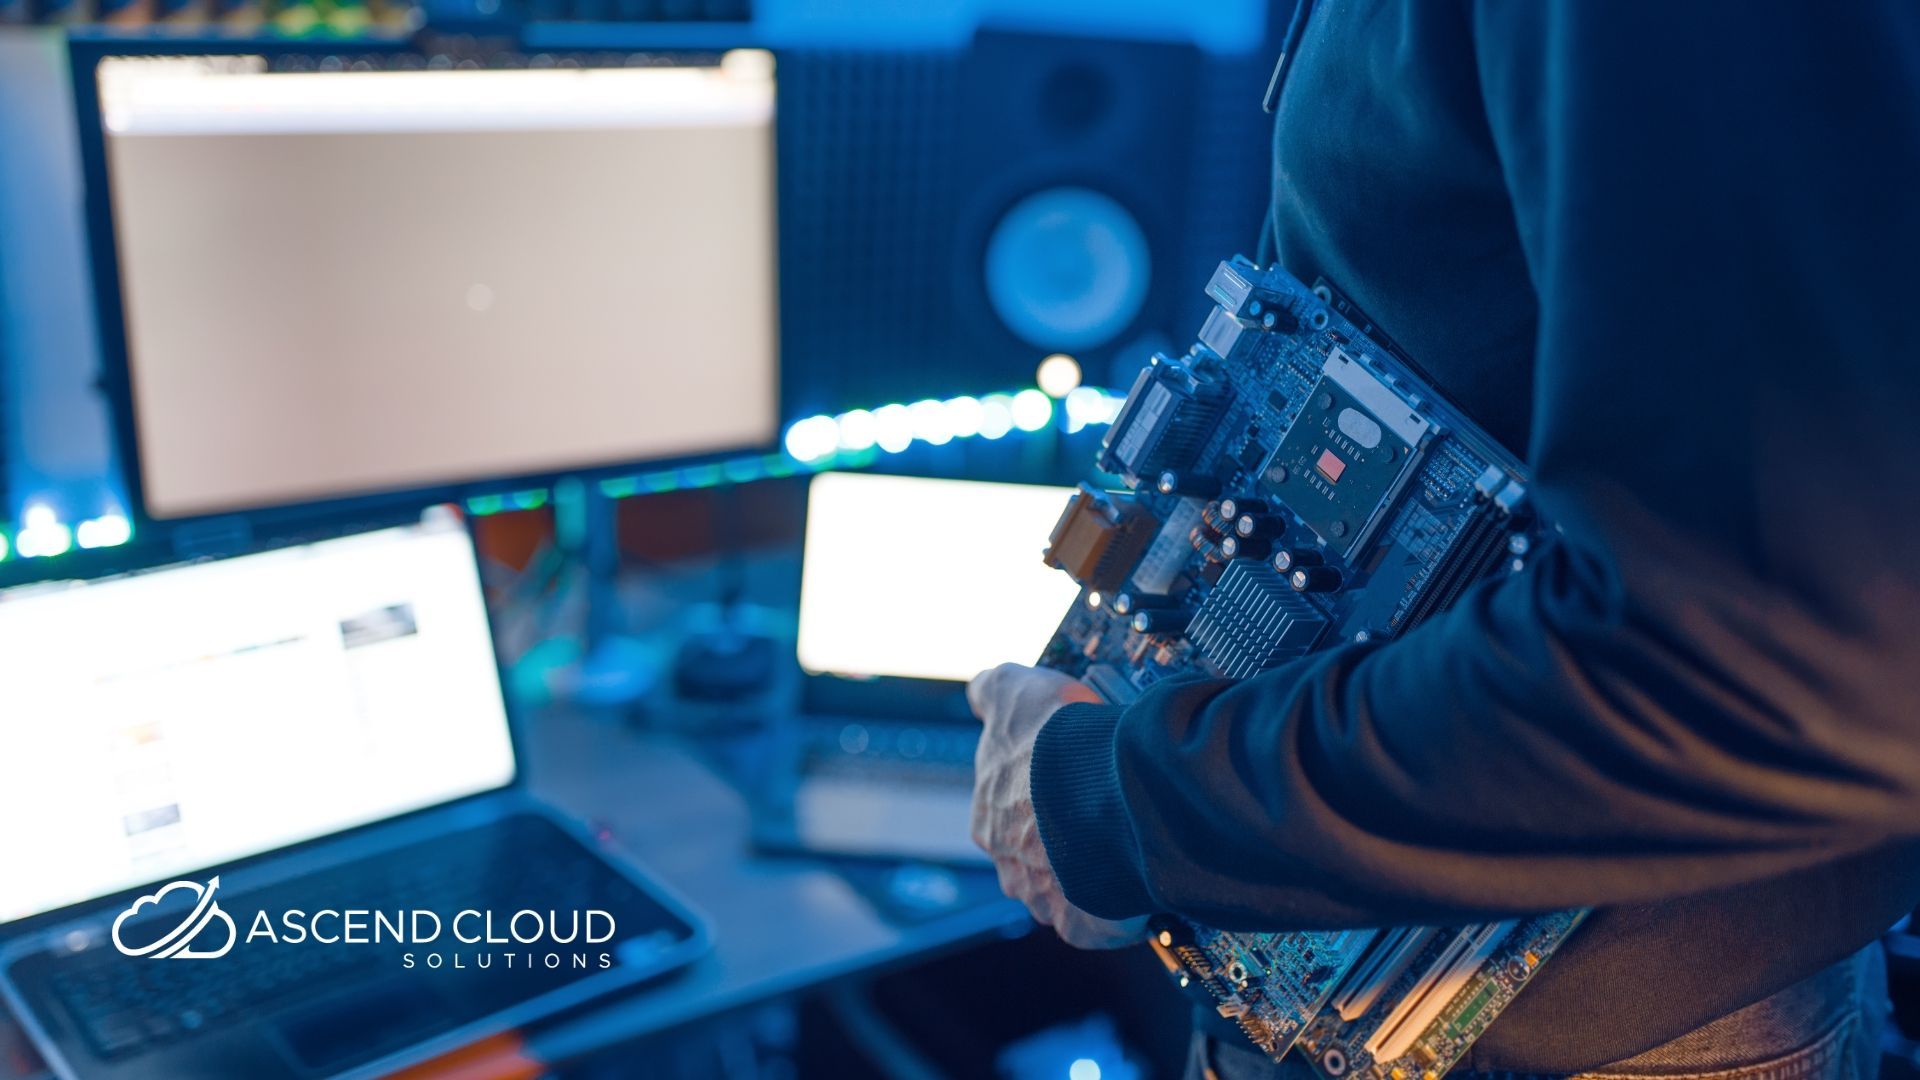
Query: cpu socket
1347	455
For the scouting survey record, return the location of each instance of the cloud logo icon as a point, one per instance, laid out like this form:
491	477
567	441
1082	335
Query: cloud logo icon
174	944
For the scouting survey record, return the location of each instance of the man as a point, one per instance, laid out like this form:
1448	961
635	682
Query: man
1666	250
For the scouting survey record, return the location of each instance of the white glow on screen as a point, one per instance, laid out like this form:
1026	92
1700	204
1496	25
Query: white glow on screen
929	579
169	721
464	274
190	96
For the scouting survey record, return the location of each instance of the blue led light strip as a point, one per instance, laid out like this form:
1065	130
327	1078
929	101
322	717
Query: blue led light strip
857	438
42	535
850	440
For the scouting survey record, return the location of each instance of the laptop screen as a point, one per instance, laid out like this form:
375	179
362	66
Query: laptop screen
167	721
927	579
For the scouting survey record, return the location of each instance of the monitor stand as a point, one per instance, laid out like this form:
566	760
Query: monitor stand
615	669
729	663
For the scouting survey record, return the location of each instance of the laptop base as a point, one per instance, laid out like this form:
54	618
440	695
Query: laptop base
315	985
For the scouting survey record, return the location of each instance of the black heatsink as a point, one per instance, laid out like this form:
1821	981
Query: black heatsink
1253	620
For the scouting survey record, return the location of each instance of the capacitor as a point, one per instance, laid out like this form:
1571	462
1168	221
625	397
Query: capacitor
1163	621
1245	547
1264	526
1127	603
1314	579
1286	559
1231	508
1207	549
1194	485
1212	525
1171	933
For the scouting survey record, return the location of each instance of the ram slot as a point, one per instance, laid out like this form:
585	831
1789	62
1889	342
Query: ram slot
1442	982
1396	953
1478	546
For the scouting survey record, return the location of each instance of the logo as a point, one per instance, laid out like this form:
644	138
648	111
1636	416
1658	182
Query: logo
181	927
173	945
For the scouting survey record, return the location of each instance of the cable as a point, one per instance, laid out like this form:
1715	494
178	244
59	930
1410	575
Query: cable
1269	244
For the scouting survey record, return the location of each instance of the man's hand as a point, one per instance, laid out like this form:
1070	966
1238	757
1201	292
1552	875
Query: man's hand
1014	702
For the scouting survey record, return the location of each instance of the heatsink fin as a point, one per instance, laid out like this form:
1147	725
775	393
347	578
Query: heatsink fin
1254	620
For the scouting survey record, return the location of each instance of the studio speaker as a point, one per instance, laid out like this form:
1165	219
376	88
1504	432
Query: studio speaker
948	218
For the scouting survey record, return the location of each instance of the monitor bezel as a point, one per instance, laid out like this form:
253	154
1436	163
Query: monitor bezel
86	52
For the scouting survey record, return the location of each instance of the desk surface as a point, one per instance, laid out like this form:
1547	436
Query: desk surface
780	924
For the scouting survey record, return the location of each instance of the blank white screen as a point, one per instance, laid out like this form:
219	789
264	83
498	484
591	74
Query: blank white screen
929	579
345	283
174	720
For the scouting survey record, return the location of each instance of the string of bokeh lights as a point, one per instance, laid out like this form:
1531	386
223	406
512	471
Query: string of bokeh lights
853	439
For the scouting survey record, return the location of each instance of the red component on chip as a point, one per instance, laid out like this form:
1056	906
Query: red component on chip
1330	466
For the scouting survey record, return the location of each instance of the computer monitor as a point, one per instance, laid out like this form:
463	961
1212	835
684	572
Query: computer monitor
179	718
342	283
927	579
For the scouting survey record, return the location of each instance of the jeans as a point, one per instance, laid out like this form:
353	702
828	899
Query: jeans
1825	1028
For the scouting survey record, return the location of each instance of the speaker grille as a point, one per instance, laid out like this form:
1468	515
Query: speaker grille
1229	177
866	218
895	166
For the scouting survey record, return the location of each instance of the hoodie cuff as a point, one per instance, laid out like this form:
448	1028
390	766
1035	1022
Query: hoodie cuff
1083	816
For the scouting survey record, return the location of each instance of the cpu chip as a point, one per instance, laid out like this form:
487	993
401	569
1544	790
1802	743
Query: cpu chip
1346	455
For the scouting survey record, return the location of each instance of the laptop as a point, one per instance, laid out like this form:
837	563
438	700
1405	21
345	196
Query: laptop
263	816
909	586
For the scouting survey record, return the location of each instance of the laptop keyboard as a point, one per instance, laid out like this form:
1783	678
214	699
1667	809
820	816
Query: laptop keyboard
890	753
124	1006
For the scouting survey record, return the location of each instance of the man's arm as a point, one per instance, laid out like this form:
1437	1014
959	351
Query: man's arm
1715	676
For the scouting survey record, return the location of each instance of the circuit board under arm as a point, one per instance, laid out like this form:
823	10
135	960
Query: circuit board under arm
1293	485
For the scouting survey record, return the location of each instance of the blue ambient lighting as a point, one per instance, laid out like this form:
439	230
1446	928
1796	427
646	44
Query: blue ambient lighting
41	534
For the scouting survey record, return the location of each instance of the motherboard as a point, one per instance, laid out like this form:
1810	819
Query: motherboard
1292	484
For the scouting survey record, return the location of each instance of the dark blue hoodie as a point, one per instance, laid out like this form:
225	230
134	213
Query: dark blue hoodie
1669	251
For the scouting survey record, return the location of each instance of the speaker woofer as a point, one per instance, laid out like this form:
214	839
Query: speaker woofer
1068	268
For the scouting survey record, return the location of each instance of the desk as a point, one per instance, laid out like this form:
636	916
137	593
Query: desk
780	925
